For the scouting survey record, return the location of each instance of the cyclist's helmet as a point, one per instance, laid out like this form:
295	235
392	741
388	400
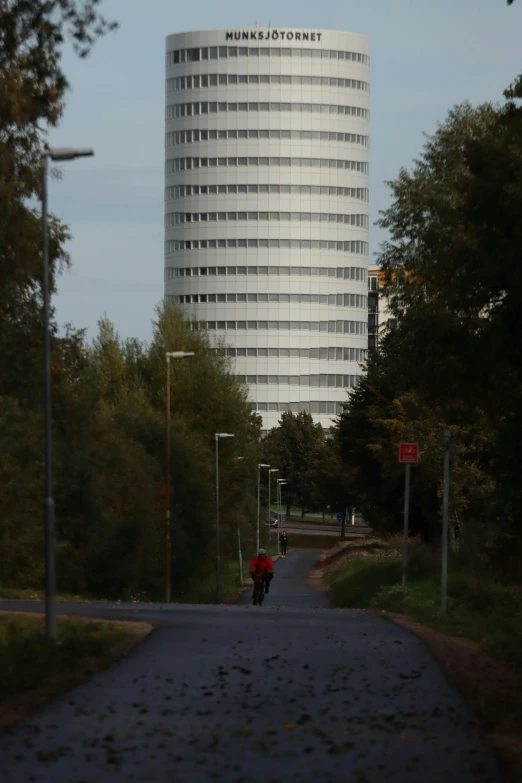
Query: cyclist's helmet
262	552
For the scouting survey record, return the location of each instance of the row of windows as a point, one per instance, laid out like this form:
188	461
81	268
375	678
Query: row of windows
179	218
338	300
195	109
325	381
182	191
199	54
333	327
331	354
343	273
312	406
173	165
200	134
196	82
353	246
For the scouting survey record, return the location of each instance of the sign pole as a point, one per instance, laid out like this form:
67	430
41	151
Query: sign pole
343	525
406	524
445	504
408	453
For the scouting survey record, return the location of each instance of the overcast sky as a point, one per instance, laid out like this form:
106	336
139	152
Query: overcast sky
426	56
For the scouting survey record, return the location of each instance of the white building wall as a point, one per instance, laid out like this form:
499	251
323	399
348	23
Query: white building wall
288	231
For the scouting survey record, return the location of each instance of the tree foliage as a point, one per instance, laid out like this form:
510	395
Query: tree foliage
452	266
309	462
109	401
109	445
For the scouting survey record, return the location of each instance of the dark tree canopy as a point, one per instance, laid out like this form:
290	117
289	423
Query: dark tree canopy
452	265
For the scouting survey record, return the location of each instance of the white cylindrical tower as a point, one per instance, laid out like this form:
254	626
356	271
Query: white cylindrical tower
266	206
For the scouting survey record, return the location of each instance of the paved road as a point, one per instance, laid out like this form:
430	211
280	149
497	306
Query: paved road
291	691
309	529
291	588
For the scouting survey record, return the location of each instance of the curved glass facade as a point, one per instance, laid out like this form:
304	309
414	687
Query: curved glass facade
281	135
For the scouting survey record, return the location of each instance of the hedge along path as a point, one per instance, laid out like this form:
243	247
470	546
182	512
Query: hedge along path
19	708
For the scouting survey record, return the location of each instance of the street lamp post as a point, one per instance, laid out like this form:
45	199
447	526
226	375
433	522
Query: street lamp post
240	554
58	153
218	435
272	470
280	484
169	355
260	465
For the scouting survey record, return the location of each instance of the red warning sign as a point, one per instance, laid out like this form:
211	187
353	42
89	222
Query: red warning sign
409	452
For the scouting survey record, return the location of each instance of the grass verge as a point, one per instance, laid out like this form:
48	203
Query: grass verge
34	670
479	608
478	641
312	542
33	594
90	646
28	660
295	516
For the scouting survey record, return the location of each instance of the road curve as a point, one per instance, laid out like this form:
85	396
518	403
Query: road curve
291	691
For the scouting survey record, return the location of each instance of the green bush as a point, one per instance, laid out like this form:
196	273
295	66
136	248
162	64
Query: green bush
480	609
357	582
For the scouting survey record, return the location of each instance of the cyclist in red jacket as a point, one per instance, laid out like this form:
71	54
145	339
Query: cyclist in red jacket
262	568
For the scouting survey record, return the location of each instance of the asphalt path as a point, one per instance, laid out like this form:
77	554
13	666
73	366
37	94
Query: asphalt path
290	691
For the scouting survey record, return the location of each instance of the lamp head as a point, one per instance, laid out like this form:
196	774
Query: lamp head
67	153
179	354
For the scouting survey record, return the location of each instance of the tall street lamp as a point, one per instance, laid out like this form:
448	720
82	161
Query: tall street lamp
169	355
280	484
218	435
58	153
240	554
260	465
272	470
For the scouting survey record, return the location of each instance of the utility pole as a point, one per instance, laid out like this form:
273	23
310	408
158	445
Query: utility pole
218	437
240	556
272	470
260	465
167	555
445	504
58	153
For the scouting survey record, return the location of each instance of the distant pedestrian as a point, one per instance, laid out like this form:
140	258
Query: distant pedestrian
283	540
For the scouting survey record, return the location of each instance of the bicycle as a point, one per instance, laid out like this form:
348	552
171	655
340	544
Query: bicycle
259	590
